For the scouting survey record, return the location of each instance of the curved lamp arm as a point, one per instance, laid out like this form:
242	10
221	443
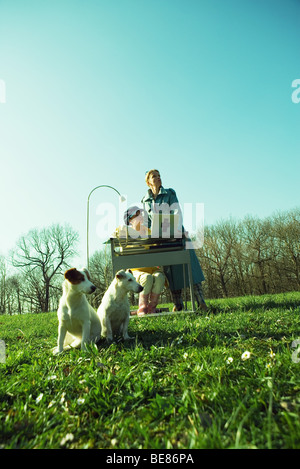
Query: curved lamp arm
88	217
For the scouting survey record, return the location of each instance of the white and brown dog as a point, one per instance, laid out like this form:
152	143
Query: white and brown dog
114	310
78	321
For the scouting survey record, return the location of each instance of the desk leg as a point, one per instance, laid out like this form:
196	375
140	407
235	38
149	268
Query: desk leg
112	258
191	286
184	286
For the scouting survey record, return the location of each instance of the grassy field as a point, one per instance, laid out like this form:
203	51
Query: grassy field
227	379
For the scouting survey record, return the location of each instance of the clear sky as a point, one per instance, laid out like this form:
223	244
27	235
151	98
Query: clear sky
99	91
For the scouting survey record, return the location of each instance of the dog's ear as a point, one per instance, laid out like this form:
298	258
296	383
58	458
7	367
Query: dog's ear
69	274
74	276
121	274
87	273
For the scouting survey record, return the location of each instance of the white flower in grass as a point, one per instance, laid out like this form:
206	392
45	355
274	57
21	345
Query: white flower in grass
66	438
246	355
80	400
39	398
272	354
229	360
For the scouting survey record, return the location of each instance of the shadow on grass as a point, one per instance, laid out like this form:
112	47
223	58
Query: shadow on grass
215	327
254	305
205	338
210	333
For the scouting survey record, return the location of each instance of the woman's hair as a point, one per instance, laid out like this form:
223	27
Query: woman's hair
148	174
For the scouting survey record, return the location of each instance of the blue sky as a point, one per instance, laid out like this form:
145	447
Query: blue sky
99	91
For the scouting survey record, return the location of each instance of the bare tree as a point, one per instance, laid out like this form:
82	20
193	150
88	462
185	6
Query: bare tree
219	241
258	237
14	298
42	255
286	228
252	256
101	275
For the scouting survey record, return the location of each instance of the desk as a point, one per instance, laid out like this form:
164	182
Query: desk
134	253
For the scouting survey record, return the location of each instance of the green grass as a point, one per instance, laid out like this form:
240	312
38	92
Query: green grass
180	384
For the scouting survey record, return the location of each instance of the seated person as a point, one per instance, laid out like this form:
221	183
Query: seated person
151	278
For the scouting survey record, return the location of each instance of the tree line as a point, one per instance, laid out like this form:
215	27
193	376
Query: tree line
245	257
252	256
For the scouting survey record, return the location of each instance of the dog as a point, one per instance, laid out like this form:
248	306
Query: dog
114	310
78	321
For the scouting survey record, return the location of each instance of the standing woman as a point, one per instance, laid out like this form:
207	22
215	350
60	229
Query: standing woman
156	196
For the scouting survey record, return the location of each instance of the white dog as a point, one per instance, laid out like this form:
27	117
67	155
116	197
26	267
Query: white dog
78	321
114	310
